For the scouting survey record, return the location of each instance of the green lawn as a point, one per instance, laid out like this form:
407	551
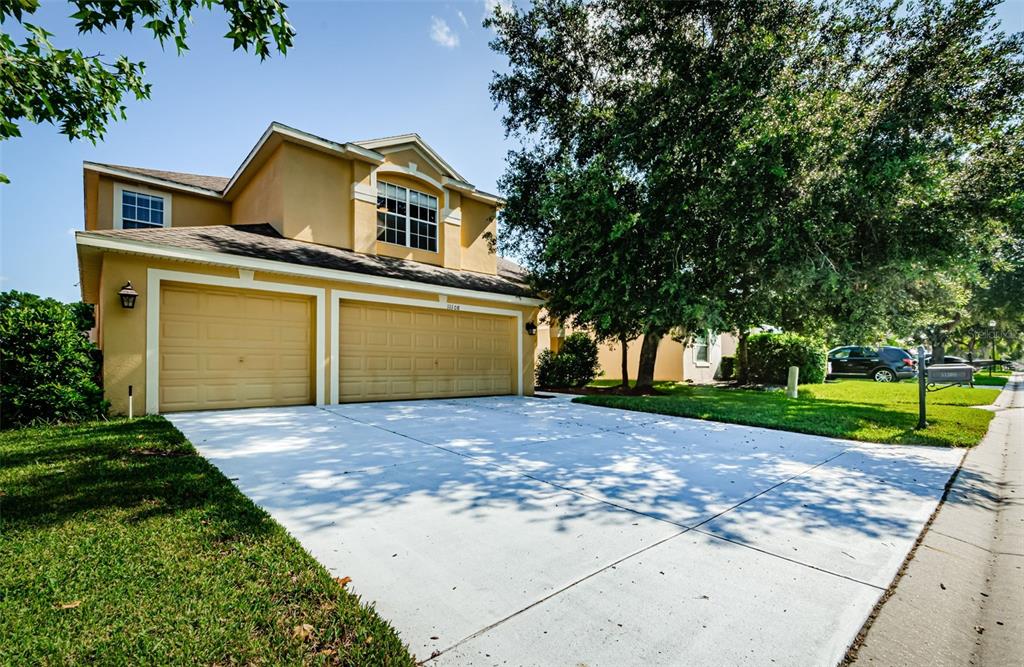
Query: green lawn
119	544
997	380
854	409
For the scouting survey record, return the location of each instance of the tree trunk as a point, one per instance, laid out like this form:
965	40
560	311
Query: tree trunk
625	361
742	360
648	357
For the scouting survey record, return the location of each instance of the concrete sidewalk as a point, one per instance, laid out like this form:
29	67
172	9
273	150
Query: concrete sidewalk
960	600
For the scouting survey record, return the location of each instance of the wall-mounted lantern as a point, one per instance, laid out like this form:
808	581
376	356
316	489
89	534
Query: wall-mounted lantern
531	328
128	295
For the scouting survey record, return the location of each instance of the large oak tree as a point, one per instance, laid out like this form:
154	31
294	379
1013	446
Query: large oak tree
780	161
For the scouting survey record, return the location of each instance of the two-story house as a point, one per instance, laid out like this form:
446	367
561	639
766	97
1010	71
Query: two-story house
319	272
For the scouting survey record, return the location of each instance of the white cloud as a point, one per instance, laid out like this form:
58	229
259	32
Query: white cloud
462	17
71	231
490	5
442	33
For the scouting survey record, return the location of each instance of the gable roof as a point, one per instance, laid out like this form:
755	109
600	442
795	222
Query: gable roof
416	141
262	242
212	183
223	187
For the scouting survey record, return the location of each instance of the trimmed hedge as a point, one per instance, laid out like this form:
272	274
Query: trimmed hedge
769	356
49	371
574	365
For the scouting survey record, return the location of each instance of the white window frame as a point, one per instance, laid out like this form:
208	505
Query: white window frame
706	345
408	217
119	189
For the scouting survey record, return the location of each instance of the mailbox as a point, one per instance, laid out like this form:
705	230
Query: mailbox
951	374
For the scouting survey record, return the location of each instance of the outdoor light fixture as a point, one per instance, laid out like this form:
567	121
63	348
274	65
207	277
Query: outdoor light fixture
531	328
128	295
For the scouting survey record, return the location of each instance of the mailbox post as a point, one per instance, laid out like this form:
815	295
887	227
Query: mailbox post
922	389
952	375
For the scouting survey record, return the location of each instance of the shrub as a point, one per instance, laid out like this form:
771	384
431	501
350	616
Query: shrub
727	368
48	369
769	356
574	365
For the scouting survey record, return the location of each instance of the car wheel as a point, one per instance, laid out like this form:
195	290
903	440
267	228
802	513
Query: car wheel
884	375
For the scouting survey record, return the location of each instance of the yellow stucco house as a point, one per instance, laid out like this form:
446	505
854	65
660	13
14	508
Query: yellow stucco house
699	361
319	272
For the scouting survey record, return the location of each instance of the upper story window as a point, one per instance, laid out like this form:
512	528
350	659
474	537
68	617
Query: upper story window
140	211
406	217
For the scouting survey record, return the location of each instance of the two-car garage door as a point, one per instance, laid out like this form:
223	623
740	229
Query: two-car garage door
231	348
389	352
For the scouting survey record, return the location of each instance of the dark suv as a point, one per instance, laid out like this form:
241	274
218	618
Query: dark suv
881	364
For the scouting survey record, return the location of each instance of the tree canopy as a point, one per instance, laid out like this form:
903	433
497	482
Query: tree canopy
82	94
733	164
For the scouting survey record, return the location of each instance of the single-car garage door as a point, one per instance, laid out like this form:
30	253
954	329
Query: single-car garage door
227	348
391	352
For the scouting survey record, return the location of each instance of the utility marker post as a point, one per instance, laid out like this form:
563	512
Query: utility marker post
922	389
791	382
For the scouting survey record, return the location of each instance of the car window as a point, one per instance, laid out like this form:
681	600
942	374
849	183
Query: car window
841	353
869	352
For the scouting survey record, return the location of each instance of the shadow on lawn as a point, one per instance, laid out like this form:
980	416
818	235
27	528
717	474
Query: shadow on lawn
817	416
144	468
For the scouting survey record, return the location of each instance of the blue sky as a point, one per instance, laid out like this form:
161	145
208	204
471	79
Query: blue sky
357	70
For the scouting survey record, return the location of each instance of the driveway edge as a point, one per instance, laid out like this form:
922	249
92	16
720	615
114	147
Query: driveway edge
959	597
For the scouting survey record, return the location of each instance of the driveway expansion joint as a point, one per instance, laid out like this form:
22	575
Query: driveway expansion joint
513	532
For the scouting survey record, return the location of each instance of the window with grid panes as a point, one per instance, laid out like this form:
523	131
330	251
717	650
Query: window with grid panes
406	217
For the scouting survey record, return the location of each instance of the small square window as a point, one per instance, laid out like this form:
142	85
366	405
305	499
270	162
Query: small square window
139	211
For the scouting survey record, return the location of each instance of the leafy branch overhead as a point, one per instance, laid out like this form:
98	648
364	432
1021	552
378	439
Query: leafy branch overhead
82	94
688	165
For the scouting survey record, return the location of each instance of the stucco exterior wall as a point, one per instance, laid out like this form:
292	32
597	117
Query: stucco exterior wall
261	200
668	366
703	372
123	333
317	196
675	361
478	221
187	210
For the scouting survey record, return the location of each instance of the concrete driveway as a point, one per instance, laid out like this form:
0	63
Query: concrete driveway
522	531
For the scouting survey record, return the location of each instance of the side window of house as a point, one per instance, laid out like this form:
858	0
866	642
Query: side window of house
406	217
140	211
701	345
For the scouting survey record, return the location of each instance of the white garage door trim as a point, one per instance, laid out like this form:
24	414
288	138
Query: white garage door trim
442	303
244	281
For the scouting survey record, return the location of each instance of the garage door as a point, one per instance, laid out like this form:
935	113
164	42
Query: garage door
224	348
397	352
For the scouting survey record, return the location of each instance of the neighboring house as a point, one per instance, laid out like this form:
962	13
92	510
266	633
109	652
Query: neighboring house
319	272
697	362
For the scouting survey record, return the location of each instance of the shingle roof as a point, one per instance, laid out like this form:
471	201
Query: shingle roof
263	242
511	270
214	183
